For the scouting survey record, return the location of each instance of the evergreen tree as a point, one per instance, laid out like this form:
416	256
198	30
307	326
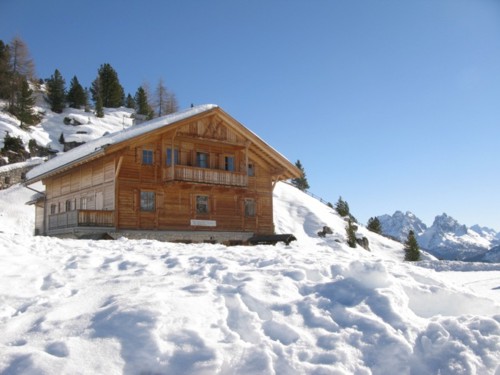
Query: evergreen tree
99	110
342	207
165	101
14	144
56	92
142	105
130	102
61	139
76	98
351	233
5	73
107	86
300	182
87	96
412	251
24	102
374	225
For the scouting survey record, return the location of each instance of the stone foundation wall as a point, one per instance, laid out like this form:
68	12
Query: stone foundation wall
12	176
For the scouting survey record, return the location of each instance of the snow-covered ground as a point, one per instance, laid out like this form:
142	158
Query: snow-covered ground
313	307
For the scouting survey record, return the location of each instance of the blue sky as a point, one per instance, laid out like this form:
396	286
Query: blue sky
391	104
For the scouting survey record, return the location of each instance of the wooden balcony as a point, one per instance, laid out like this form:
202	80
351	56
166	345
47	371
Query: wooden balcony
82	218
205	176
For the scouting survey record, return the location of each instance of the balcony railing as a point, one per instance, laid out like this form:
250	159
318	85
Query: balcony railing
205	175
82	218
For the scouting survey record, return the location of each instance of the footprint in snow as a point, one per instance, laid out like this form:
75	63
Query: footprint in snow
57	349
49	282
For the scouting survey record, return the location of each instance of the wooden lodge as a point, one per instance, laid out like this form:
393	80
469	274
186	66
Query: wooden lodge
196	175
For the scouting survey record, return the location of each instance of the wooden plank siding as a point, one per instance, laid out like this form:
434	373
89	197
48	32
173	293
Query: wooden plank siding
177	186
82	187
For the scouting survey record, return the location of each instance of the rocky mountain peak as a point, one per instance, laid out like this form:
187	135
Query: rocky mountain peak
445	223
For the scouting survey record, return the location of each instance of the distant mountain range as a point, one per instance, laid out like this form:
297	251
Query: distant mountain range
446	238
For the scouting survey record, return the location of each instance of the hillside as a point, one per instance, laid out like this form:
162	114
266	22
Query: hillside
75	125
314	307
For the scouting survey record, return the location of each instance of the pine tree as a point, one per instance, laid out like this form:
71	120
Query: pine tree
56	92
142	105
342	207
87	96
130	102
5	74
351	233
61	139
300	182
99	110
24	102
165	101
14	144
107	86
374	225
76	98
412	251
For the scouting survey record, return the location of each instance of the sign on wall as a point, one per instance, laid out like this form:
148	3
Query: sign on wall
203	223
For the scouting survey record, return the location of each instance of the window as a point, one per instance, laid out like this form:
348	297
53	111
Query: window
7	180
251	170
53	209
169	156
202	159
147	201
147	157
202	204
229	163
83	203
68	205
249	207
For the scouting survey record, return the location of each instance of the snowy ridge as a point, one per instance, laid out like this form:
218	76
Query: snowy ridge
313	307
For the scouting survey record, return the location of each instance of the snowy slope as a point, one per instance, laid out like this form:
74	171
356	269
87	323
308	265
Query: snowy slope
85	126
314	307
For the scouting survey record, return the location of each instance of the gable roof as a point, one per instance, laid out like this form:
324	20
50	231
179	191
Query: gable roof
97	148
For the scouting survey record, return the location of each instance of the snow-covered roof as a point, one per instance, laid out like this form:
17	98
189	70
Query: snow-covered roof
28	163
97	146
